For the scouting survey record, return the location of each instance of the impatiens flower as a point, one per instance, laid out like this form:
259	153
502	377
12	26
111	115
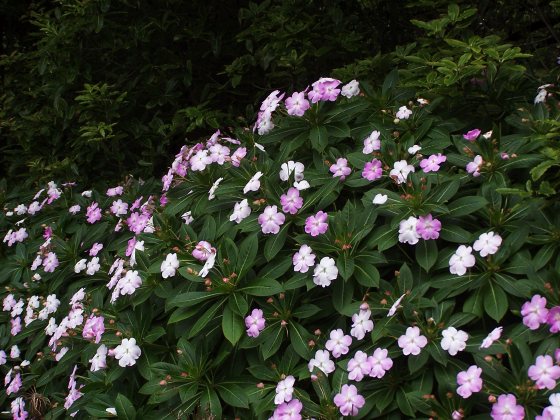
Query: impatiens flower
127	352
340	169
301	185
290	167
553	319
240	211
541	96
400	171
372	142
80	265
407	231
487	243
317	225
93	213
395	306
288	411
552	412
361	324
428	227
99	360
303	259
271	102
74	209
202	251
544	372
534	312
169	266
358	366
255	323
412	342
321	361
73	392
413	149
187	218
349	401
96	247
372	170
291	201
324	89
238	155
208	264
494	335
380	199
454	340
15	385
432	164
94	328
93	266
284	390
50	262
2	357
212	190
325	272
475	166
34	208
20	209
469	381
271	220
200	160
472	135
506	408
461	260
111	192
339	343
219	153
350	89
254	184
297	104
18	409
403	113
128	284
380	363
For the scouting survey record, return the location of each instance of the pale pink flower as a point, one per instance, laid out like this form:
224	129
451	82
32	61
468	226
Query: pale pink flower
339	343
349	401
469	381
412	342
380	363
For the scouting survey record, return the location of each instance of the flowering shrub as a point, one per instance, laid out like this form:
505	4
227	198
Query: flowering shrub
343	258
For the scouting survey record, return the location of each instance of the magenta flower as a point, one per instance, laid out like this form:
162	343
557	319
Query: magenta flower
203	250
544	372
324	89
506	408
297	104
93	213
338	344
137	222
534	312
255	323
469	381
304	259
380	363
94	328
553	319
428	227
475	166
340	169
372	170
317	225
472	135
432	164
412	342
349	401
271	220
291	201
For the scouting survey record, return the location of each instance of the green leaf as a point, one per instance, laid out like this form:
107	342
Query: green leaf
345	265
125	409
383	237
454	233
205	318
185	300
426	254
300	339
342	295
367	275
210	404
238	304
319	138
263	287
466	205
272	340
444	192
404	279
275	243
495	302
247	254
233	394
232	325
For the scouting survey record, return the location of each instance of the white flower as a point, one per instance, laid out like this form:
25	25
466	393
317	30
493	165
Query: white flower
240	211
61	353
260	147
129	283
14	351
301	185
74	209
403	113
284	390
127	352
395	306
99	360
494	335
487	243
372	143
338	343
290	167
322	361
254	184
51	304
487	135
325	272
169	266
93	266
407	231
413	149
461	260
138	246
350	89
200	160
361	324
34	208
111	410
400	171
187	218
51	327
21	209
80	265
541	96
208	264
86	194
454	340
211	192
380	199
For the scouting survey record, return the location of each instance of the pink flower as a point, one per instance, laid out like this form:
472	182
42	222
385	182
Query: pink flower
15	385
428	227
203	250
432	164
18	409
461	260
338	344
544	372
321	361
111	192
317	225
94	328
291	201
469	381
380	363
358	366
534	312
50	262
200	160
119	207
297	104
472	135
553	319
255	323
93	213
487	243
372	143
47	233
506	408
271	220
219	153
494	335
303	259
361	324
372	170
238	155
16	326
340	169
348	400
324	89
284	390
137	222
96	247
288	411
412	342
475	166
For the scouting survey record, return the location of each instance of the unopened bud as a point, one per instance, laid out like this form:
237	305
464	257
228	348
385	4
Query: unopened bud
118	333
283	323
184	374
311	343
491	399
281	296
314	378
317	331
364	306
260	385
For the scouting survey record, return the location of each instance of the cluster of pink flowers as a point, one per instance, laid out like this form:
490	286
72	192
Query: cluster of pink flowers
412	229
535	314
